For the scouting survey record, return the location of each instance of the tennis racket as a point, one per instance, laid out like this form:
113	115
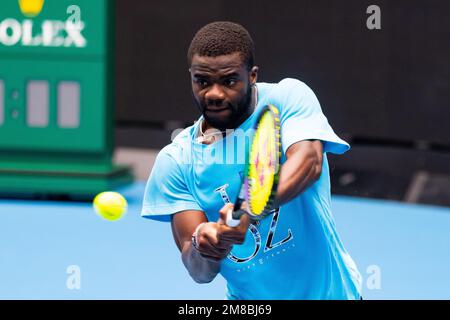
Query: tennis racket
262	170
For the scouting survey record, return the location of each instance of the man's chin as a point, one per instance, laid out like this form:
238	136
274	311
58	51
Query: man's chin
220	120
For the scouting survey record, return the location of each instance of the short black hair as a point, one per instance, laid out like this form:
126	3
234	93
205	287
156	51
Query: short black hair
221	38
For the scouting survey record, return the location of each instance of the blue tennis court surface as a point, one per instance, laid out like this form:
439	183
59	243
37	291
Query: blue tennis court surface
402	251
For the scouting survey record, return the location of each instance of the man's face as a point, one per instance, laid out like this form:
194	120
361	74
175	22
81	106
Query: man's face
222	89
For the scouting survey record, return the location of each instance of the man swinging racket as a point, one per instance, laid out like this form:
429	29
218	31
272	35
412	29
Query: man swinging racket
262	220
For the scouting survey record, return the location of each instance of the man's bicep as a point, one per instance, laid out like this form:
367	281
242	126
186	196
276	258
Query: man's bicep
183	225
310	151
314	147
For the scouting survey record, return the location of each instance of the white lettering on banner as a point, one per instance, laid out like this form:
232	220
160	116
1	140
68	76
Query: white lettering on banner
74	34
10	32
53	33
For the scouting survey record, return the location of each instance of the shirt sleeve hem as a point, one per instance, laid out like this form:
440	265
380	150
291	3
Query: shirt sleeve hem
158	212
332	144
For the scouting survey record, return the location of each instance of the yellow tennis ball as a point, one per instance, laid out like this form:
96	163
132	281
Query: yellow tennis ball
110	205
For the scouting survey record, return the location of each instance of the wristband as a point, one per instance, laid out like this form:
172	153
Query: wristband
194	236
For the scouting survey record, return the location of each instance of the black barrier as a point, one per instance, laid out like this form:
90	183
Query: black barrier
388	83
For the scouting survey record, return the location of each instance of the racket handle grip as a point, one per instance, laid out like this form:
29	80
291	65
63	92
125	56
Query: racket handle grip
233	218
234	214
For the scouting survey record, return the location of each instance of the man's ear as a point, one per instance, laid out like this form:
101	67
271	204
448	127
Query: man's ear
254	75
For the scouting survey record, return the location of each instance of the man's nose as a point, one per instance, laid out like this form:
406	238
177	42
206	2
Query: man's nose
215	93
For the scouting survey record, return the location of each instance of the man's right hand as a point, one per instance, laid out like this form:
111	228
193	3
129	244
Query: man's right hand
215	239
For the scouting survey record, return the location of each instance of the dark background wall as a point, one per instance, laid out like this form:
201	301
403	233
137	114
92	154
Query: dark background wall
386	91
392	83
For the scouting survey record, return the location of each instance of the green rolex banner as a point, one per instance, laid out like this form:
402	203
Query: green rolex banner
56	97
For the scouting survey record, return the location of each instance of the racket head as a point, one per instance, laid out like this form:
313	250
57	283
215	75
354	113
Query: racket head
263	167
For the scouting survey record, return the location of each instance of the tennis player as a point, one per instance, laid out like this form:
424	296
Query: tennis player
294	253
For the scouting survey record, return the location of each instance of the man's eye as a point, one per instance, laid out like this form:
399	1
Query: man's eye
230	82
202	82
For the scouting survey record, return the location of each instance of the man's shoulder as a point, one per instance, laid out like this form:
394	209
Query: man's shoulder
287	93
283	83
284	86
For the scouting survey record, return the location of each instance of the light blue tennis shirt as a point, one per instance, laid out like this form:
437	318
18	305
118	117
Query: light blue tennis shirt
295	253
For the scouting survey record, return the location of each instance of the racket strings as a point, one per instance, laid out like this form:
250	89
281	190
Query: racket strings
264	164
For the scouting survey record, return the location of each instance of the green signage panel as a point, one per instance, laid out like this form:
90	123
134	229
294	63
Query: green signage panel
53	105
56	96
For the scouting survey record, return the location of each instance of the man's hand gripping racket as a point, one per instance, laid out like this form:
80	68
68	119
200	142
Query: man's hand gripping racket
260	180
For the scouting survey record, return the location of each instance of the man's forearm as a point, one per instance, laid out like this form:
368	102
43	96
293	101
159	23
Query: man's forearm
200	269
